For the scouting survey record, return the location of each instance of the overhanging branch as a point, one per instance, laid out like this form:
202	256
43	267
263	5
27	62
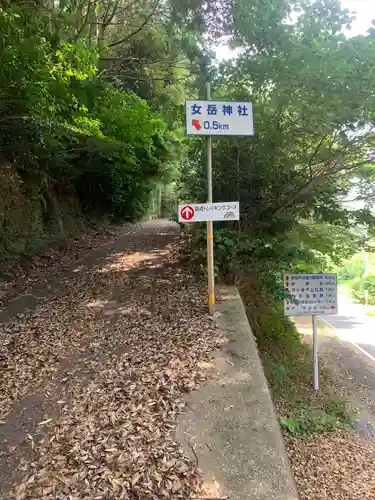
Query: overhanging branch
139	29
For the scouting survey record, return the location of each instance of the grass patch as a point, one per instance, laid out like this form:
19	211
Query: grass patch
305	421
287	361
288	365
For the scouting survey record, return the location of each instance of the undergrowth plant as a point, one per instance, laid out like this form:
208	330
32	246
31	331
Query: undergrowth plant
305	421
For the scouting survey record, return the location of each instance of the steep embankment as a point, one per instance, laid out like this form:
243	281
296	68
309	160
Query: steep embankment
32	215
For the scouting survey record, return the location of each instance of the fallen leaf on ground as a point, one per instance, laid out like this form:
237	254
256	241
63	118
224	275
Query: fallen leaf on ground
119	348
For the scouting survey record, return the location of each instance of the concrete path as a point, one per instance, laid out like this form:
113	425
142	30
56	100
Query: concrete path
231	423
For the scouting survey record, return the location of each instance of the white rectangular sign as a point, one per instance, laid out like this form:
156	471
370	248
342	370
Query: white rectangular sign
203	212
219	118
310	294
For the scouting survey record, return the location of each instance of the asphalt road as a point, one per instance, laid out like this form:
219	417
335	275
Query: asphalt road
353	326
349	343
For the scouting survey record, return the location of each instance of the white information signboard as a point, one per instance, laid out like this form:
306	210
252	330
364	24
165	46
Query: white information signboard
310	294
203	212
219	118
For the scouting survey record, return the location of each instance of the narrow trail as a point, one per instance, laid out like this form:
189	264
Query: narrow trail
93	377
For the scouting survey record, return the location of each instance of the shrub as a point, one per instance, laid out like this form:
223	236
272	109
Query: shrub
352	270
64	127
360	285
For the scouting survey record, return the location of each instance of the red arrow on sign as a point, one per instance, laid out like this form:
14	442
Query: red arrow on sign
187	213
196	124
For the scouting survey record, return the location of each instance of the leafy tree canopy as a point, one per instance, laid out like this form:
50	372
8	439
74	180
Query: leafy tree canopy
313	148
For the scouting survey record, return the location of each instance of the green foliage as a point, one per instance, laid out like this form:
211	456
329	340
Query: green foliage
306	248
63	127
352	277
351	270
355	266
314	137
91	111
287	361
91	108
335	415
359	287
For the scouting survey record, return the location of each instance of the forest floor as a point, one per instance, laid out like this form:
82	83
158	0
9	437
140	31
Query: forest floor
94	375
22	275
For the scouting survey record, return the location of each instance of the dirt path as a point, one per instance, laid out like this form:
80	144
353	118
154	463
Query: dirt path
93	377
33	274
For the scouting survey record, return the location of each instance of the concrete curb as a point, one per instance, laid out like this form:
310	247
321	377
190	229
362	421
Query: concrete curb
231	422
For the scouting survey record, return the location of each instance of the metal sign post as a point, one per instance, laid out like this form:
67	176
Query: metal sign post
209	212
219	118
210	224
311	295
315	351
214	118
